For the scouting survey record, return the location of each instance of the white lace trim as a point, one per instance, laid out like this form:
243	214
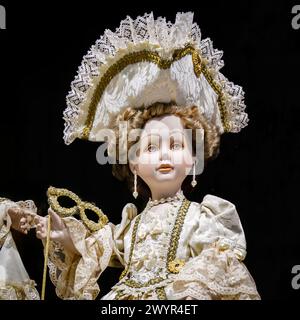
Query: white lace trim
216	274
152	244
75	277
146	33
19	291
132	291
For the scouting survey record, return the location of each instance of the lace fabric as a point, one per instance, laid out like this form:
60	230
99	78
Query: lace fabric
75	277
211	243
19	291
216	274
146	83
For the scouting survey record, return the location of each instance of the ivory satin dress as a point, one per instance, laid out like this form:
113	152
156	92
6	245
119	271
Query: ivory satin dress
174	250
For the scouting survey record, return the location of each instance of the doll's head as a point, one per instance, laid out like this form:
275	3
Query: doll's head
139	67
163	141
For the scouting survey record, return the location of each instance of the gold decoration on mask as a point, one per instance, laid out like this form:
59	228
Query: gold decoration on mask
80	208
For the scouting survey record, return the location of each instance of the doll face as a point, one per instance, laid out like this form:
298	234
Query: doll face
165	154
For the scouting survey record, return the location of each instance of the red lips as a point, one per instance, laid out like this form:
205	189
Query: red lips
165	168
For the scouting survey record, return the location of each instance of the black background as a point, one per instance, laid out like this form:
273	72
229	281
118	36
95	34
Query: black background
257	169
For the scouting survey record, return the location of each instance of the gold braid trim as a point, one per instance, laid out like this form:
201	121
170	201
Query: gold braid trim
174	265
150	56
137	220
221	99
171	258
161	294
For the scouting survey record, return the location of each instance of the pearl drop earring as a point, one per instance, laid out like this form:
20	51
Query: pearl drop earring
135	193
194	182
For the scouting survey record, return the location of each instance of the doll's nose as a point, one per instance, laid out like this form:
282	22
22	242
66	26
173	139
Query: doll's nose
164	153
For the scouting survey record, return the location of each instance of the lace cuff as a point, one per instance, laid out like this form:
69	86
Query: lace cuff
216	274
74	276
19	291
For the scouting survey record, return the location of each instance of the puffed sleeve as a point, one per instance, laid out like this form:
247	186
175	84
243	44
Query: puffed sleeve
75	276
217	248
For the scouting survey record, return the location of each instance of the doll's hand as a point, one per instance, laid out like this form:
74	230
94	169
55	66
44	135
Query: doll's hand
58	233
21	219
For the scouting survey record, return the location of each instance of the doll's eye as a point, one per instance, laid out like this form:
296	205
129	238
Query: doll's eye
152	148
177	146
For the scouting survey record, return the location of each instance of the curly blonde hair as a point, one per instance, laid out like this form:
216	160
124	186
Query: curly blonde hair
137	118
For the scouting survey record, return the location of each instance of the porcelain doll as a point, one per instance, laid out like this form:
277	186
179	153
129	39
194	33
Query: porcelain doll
174	249
162	79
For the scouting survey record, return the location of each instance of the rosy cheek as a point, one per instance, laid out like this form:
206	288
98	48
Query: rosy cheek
182	157
148	159
146	168
178	153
